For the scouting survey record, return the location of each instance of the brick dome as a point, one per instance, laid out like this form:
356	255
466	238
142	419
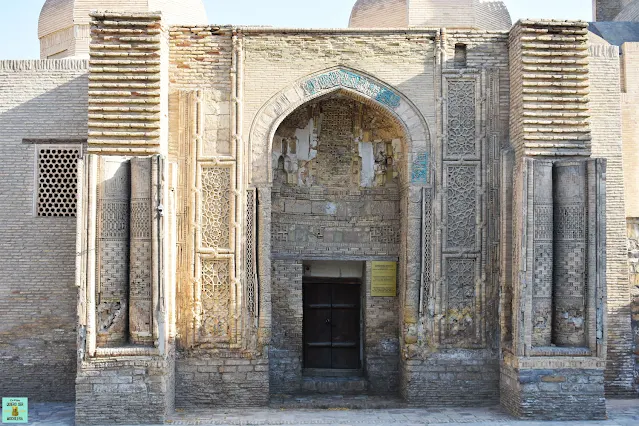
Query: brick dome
379	14
629	13
478	14
63	27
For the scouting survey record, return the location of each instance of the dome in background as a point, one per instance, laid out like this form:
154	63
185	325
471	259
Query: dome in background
477	14
63	27
379	14
630	13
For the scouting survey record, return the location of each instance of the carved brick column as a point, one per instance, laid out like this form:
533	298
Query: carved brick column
126	284
543	254
553	366
141	268
114	174
570	257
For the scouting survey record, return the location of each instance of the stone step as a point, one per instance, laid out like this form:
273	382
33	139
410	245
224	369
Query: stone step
335	385
336	402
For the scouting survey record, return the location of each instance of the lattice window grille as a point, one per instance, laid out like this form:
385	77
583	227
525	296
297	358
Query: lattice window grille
427	226
251	280
57	180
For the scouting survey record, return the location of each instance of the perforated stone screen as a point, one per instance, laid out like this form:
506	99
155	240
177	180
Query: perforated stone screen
57	180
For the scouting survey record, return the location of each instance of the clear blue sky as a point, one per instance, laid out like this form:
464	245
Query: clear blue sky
19	18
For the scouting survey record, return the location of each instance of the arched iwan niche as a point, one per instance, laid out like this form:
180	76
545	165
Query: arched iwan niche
338	169
402	132
338	206
360	86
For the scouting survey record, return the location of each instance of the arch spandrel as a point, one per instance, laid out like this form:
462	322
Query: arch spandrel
358	85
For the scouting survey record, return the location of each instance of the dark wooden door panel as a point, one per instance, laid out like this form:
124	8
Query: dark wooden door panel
345	358
317	326
346	326
331	324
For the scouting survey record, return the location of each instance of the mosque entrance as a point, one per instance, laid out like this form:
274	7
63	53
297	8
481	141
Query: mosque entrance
339	163
331	324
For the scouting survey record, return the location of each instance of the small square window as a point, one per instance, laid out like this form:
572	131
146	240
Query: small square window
57	180
460	56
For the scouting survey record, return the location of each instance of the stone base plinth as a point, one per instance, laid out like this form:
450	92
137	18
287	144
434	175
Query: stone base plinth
221	378
453	378
127	390
545	393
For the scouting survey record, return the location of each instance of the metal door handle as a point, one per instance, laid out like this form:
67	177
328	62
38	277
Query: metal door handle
328	321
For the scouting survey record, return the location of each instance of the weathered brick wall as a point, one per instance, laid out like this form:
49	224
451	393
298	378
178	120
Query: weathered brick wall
285	352
220	379
461	378
40	100
633	272
630	121
124	391
201	51
381	340
606	124
553	394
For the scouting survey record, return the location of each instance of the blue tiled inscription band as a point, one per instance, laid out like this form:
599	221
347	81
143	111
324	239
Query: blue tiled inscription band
351	80
419	173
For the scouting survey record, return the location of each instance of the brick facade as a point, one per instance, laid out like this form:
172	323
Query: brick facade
43	104
224	166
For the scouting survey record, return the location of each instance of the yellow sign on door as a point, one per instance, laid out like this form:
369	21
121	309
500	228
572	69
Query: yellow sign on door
384	279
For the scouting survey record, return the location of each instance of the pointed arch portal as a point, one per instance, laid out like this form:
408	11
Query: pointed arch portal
415	178
359	85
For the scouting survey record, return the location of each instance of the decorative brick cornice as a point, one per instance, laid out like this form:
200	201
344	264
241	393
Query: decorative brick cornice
44	65
125	83
550	88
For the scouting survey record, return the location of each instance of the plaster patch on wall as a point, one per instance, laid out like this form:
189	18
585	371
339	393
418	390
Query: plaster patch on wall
306	141
368	164
366	150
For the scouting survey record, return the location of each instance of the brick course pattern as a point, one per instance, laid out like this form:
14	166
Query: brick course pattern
633	272
125	71
606	119
280	154
124	391
42	102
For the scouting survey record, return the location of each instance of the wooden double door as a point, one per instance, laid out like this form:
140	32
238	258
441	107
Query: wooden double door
331	330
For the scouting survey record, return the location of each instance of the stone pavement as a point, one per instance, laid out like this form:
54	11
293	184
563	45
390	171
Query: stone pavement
620	412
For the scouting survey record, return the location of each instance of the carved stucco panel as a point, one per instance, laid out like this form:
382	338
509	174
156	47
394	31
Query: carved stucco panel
215	300
217	207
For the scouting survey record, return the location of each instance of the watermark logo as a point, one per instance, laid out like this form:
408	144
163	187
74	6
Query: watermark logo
15	410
